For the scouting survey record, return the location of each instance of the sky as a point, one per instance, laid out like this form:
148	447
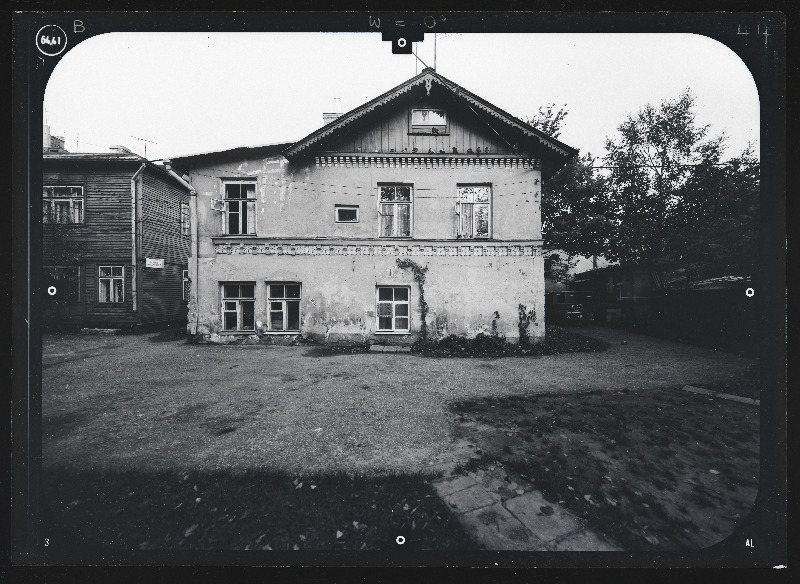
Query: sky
200	92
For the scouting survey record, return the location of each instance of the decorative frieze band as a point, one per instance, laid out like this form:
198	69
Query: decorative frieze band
296	249
429	162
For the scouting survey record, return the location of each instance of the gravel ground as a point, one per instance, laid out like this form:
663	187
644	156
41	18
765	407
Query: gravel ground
121	402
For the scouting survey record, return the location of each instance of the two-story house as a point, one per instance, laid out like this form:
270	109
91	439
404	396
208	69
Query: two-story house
421	203
115	241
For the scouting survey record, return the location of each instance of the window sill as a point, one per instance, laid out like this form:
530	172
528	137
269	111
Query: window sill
277	333
392	332
253	332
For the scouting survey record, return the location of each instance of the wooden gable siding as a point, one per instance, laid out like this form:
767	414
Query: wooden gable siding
161	289
392	131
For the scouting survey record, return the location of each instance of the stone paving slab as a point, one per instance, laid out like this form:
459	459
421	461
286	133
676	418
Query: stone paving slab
469	499
583	541
497	529
527	509
450	486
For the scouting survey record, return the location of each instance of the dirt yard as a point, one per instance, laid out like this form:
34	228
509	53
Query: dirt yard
152	402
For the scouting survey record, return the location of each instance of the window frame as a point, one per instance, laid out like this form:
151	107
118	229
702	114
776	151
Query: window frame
184	280
186	220
394	303
249	201
79	300
460	210
338	208
111	279
283	300
428	129
49	199
395	206
239	313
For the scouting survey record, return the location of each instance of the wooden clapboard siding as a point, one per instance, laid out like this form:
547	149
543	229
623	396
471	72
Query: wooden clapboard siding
105	238
391	131
161	288
105	232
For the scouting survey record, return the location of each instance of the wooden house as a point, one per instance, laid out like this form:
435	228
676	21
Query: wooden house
115	241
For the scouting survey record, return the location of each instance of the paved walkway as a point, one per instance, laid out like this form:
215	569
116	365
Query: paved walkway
504	515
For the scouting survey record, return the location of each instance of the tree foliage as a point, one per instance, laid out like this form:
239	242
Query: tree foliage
548	120
663	197
657	151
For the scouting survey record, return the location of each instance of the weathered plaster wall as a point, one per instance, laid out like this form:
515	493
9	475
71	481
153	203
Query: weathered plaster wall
298	201
338	293
295	205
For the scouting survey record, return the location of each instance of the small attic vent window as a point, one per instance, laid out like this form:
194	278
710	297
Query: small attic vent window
432	121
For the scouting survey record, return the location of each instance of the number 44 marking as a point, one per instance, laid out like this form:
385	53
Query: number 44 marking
749	543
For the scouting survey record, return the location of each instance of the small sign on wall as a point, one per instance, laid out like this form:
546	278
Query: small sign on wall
153	263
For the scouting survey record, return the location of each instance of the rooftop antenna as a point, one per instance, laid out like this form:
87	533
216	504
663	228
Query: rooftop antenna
434	51
145	144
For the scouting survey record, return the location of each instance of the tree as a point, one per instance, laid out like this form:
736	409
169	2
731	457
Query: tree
655	154
548	120
575	212
715	226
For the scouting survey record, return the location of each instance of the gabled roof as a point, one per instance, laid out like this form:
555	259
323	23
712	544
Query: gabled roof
560	151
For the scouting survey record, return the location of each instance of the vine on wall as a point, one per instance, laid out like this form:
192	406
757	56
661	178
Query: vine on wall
419	278
525	318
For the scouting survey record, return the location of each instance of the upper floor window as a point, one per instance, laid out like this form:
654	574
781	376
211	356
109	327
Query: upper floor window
240	207
395	210
346	213
474	211
63	205
431	121
186	224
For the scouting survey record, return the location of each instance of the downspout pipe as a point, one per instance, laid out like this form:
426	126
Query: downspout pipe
134	240
195	240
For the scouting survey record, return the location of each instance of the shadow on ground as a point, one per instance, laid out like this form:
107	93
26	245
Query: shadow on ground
243	510
656	470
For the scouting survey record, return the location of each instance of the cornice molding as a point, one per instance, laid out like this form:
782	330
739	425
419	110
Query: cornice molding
429	161
440	250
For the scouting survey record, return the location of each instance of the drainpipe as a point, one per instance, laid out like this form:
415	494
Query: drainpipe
195	240
134	231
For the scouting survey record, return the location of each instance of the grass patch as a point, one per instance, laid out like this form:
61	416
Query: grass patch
254	510
557	340
618	460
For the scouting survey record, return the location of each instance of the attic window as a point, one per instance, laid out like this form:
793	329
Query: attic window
430	121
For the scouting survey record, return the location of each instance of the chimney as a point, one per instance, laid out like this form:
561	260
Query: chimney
120	149
327	118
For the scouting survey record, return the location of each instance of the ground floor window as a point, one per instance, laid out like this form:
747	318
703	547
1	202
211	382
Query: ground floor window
283	300
238	307
393	315
111	284
186	283
67	283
